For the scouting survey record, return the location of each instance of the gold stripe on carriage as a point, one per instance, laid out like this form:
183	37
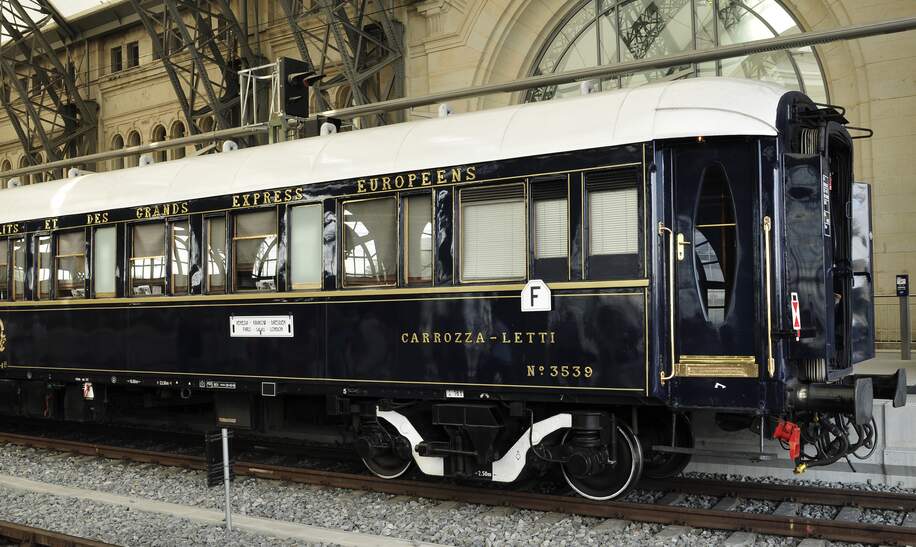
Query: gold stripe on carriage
717	366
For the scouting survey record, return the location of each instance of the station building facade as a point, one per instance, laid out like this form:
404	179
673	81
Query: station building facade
450	44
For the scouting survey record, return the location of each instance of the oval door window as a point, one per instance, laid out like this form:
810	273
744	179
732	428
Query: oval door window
715	243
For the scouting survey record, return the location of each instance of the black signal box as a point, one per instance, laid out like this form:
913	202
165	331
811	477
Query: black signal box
295	79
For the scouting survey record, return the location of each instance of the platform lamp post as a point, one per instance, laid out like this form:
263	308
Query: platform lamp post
903	294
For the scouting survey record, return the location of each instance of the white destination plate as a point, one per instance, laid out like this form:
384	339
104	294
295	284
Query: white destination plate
261	326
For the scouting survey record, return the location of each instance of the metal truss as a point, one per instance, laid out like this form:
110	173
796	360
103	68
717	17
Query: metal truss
39	88
192	38
357	44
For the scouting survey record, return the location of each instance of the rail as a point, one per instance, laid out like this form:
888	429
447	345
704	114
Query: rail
19	534
719	517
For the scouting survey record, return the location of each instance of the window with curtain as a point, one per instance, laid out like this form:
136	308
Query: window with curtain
418	236
255	251
550	223
370	242
44	267
217	265
306	228
147	262
70	264
181	256
4	269
19	269
104	261
494	239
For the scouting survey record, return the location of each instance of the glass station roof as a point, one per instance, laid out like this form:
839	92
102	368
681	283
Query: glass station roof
599	32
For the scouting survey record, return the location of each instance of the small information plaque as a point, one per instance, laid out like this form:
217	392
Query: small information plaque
261	326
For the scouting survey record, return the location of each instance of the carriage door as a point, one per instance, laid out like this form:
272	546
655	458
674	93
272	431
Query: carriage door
714	189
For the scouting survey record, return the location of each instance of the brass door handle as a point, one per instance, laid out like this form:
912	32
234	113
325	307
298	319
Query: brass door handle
681	243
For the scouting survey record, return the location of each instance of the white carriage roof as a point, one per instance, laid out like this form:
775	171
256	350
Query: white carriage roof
683	108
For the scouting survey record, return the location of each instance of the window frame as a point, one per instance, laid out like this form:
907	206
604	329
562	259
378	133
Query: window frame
599	267
115	53
565	179
404	251
92	270
131	258
169	249
458	230
291	286
205	255
5	242
25	268
35	248
133	47
342	234
232	229
55	290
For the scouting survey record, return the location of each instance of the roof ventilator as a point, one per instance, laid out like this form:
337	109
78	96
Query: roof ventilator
146	160
445	110
230	146
327	128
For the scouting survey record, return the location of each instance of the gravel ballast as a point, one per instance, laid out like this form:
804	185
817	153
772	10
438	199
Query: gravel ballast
415	519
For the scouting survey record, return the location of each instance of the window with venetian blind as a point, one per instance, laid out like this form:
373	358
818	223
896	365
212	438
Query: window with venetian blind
105	261
613	202
306	230
550	225
494	233
147	260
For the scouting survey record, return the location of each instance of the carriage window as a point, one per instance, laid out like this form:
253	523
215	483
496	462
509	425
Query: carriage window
70	264
551	229
19	270
44	267
104	261
494	238
254	248
613	223
418	235
714	243
147	263
4	269
181	256
306	228
370	242
216	255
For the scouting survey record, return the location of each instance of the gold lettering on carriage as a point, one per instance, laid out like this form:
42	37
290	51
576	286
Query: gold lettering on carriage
10	229
478	337
50	224
162	210
416	179
269	197
97	218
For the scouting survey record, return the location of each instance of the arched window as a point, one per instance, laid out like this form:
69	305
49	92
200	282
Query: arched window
206	124
117	143
133	139
39	176
607	32
178	132
4	167
158	135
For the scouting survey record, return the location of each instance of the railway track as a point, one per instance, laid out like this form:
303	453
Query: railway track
17	534
784	521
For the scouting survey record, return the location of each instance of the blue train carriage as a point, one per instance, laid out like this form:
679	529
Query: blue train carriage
547	284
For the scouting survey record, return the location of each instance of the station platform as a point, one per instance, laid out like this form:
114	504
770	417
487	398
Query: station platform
893	462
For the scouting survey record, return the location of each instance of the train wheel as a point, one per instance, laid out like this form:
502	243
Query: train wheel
384	451
664	465
614	480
